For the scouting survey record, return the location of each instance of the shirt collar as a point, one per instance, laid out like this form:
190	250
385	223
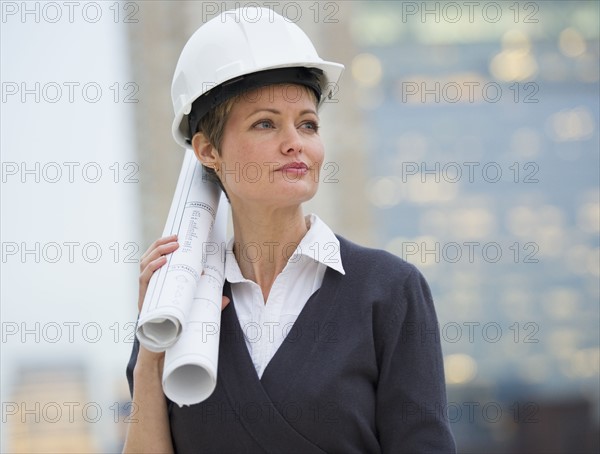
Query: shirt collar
319	244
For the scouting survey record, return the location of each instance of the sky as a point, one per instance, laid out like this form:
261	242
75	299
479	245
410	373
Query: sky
69	229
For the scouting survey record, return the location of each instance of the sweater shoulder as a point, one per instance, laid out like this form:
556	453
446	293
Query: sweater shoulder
374	262
392	293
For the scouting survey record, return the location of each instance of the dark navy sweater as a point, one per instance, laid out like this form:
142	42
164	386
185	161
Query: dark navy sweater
360	371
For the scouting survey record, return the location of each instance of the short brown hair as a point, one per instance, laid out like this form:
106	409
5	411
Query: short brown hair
212	125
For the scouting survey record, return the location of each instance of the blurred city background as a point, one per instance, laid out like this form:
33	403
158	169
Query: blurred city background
463	138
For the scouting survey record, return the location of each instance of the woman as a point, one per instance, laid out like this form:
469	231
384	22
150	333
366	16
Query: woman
325	346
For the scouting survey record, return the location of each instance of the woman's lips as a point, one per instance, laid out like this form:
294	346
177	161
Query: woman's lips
297	168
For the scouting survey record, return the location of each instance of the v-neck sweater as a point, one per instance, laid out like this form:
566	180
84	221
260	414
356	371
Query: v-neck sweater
360	371
265	324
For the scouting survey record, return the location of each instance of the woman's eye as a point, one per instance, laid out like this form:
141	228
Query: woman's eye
311	125
263	124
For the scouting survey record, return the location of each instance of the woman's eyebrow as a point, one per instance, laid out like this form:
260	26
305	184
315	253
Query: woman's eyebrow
309	111
277	112
254	112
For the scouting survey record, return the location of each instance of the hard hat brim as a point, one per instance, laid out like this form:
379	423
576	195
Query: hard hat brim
328	86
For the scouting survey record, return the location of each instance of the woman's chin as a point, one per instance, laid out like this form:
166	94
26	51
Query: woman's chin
284	195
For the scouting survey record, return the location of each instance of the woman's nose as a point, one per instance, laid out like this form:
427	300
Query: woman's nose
291	141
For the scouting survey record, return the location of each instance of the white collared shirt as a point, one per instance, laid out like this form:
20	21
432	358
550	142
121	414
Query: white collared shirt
265	325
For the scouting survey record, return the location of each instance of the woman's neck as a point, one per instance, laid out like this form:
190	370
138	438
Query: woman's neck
265	240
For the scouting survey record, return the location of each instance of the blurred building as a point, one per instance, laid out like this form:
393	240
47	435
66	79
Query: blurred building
484	142
50	410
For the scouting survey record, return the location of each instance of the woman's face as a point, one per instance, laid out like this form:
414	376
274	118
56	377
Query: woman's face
271	151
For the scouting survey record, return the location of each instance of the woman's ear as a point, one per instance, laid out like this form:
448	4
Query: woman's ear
204	150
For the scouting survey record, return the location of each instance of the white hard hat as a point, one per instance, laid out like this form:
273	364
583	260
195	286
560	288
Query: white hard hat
235	45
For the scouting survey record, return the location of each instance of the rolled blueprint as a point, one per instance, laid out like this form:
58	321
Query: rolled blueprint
190	368
172	288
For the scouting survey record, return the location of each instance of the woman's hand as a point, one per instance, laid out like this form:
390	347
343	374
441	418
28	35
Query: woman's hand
153	259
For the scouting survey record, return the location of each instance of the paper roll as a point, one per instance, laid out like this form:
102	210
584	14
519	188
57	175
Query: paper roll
172	288
190	367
